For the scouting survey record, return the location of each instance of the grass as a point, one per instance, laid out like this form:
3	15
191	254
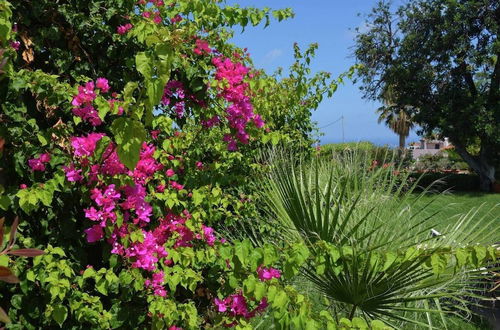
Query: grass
313	201
451	205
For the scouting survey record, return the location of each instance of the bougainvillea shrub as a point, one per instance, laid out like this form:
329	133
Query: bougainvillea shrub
128	136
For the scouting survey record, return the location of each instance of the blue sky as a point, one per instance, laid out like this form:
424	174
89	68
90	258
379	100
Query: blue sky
331	24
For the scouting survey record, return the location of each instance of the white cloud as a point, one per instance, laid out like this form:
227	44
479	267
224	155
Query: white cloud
272	55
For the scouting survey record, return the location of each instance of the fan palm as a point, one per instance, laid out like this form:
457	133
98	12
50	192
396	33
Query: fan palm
370	218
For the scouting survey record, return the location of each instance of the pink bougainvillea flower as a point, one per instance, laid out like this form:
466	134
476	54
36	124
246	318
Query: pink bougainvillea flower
157	18
112	165
266	274
147	165
199	165
208	232
201	46
262	305
257	120
95	215
72	174
88	114
23	186
154	134
86	94
214	121
102	84
122	29
170	173
94	233
221	305
238	305
173	96
156	283
45	157
160	188
176	185
36	164
15	45
235	91
85	145
176	19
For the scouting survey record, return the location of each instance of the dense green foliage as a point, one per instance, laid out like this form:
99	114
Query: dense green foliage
440	60
130	143
127	139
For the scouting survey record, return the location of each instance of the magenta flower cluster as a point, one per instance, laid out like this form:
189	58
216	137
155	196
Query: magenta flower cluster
235	90
174	95
124	215
201	47
123	29
38	163
83	102
236	305
155	13
266	274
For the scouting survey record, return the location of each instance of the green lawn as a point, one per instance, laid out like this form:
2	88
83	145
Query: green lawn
451	205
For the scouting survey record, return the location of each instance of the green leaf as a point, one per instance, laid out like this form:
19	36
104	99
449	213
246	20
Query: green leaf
4	202
462	255
42	139
3	316
249	284
102	106
129	135
438	263
144	64
197	197
390	258
129	89
242	251
102	286
259	290
59	314
480	255
280	300
89	272
154	89
359	323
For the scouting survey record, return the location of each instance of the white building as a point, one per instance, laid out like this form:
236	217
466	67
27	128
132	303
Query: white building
428	147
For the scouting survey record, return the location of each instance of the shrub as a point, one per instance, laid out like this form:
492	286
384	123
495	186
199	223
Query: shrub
447	181
127	142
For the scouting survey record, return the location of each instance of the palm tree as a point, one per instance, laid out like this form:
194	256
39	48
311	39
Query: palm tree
397	118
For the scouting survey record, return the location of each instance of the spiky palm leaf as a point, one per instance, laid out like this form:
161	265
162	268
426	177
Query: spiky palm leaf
348	204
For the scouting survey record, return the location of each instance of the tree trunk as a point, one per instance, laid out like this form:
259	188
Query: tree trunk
481	165
402	141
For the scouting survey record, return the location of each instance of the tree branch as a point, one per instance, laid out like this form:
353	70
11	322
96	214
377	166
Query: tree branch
494	83
468	78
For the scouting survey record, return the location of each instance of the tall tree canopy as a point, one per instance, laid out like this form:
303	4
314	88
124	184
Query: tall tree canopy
442	56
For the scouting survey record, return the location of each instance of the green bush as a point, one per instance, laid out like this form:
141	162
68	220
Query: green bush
447	181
